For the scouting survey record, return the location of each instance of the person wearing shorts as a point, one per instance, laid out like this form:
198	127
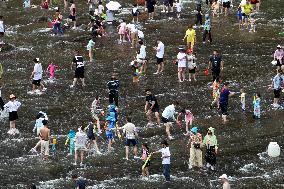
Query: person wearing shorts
168	116
72	15
93	137
150	6
45	136
160	51
181	59
277	84
226	6
190	36
224	99
78	61
12	106
37	76
130	133
110	121
151	106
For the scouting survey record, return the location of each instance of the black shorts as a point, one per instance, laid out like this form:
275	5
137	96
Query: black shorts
227	4
160	60
192	71
132	141
165	120
1	34
36	82
155	109
224	108
13	116
171	2
92	137
79	73
73	18
278	63
277	93
150	9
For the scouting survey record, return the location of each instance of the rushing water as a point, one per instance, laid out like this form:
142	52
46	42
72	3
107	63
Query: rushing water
242	142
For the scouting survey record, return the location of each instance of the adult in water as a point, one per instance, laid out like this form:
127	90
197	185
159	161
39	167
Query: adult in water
12	106
113	87
79	63
210	142
216	64
224	99
151	106
168	116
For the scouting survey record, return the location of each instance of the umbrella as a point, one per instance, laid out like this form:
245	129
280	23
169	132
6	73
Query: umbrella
113	5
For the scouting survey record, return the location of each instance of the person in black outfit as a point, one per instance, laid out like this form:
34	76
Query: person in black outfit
151	106
78	61
113	86
1	101
150	6
216	64
79	182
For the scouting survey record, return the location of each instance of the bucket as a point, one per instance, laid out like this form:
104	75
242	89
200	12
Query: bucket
273	149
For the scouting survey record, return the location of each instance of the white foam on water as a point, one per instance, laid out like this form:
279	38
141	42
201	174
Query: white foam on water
21	48
42	30
248	168
50	184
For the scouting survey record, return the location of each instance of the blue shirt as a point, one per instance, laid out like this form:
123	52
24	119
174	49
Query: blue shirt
277	81
224	96
207	25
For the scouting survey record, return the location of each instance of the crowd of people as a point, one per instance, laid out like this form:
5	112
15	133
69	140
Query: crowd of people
86	138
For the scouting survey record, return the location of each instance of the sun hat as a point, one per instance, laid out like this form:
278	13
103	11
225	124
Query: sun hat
194	130
12	96
279	46
224	176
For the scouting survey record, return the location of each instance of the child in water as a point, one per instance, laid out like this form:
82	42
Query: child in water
243	99
135	68
146	160
215	94
91	49
110	121
71	140
240	18
256	106
51	68
252	22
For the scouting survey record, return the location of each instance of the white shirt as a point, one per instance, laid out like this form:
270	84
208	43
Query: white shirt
160	50
80	139
132	28
191	61
243	2
140	34
178	5
169	112
12	106
166	152
129	129
142	54
181	60
2	26
37	71
100	9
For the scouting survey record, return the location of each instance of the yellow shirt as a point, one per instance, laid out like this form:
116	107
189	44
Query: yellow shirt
247	9
190	35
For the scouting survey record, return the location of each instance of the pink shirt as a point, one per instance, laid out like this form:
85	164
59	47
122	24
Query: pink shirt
279	54
188	116
51	67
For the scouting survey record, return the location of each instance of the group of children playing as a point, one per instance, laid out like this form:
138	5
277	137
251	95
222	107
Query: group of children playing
256	99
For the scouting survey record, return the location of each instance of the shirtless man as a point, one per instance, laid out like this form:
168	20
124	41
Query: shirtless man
45	136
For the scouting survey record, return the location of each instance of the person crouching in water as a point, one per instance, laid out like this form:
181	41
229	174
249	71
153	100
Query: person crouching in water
13	105
210	140
196	144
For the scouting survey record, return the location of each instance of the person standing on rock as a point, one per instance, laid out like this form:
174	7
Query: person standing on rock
73	13
12	106
45	137
1	102
160	51
80	145
78	61
224	99
216	64
113	86
210	141
151	106
37	76
276	85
